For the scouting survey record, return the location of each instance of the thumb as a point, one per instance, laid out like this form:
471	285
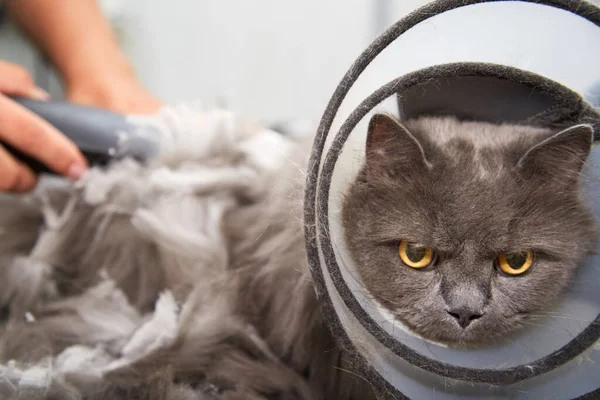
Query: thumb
16	81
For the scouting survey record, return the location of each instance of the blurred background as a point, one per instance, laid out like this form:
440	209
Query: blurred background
272	60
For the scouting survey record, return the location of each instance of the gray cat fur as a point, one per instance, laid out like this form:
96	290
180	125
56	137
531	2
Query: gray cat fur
184	279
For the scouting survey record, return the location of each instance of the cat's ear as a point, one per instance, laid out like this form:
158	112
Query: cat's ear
391	147
561	156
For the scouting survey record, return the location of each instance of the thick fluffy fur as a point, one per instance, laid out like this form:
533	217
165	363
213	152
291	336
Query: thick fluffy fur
470	191
184	279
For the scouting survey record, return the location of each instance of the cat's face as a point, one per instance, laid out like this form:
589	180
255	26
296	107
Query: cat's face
463	230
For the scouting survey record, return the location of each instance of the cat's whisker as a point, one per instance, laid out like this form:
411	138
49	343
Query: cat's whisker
548	313
548	327
353	373
343	262
561	317
393	322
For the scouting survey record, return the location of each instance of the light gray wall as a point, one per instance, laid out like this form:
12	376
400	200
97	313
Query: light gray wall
270	59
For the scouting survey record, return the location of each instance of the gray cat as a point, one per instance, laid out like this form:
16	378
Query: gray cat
150	285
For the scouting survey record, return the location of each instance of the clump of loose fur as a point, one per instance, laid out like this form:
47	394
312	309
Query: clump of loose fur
182	279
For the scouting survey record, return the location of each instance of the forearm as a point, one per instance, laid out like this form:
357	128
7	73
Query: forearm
74	35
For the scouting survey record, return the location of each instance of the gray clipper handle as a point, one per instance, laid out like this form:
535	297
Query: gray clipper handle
99	134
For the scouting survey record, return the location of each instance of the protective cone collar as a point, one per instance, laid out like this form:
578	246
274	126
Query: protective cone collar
559	358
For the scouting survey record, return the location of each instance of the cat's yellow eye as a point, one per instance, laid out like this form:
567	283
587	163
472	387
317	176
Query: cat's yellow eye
415	256
515	263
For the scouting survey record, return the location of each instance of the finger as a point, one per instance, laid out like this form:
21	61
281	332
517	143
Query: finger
35	137
16	81
37	93
147	106
27	179
14	176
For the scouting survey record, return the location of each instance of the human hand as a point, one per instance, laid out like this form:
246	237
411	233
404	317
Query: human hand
120	93
30	134
82	46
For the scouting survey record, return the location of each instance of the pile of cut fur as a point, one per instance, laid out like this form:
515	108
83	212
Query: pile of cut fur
184	278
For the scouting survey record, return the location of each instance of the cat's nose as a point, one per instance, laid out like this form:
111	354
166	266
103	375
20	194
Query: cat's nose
464	316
